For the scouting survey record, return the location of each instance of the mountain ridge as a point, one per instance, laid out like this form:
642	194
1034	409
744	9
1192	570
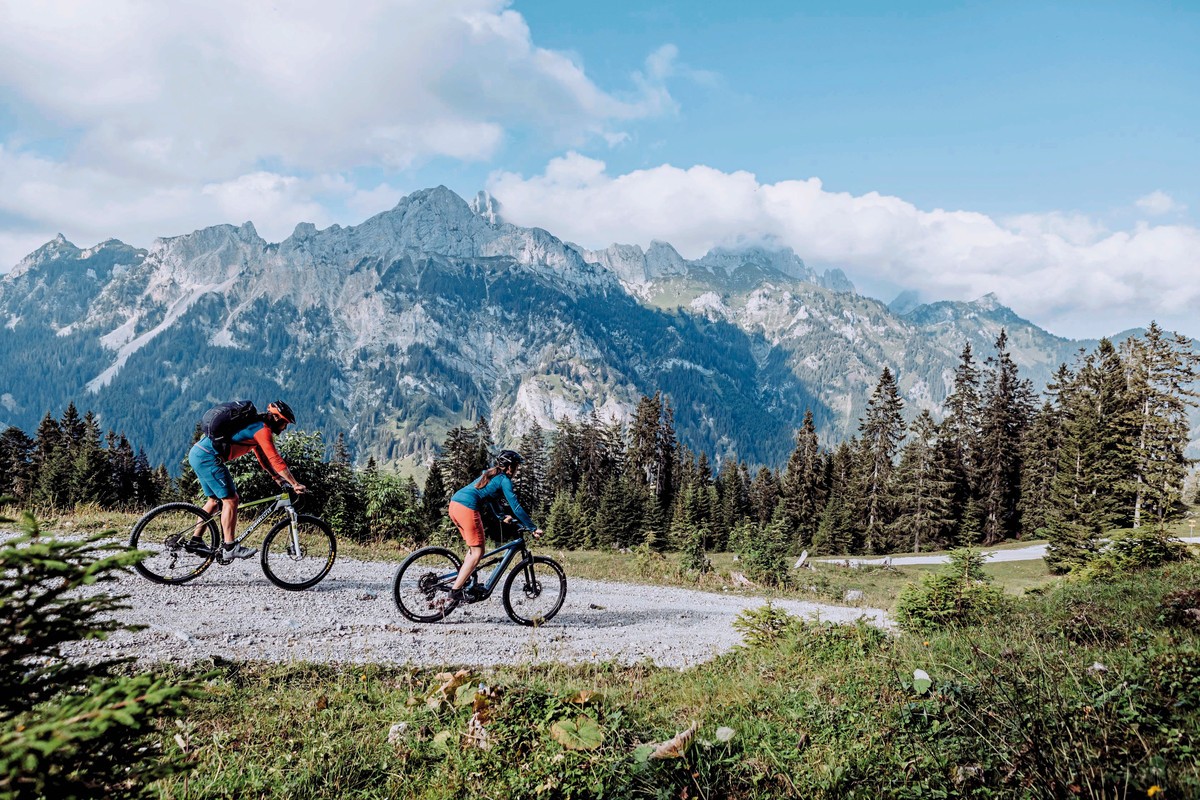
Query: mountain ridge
437	310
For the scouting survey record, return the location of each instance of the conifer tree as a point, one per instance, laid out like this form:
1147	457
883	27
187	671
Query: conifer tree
435	496
836	531
484	445
1164	372
1039	459
960	437
563	469
560	522
764	495
52	459
881	429
530	480
1084	498
924	490
1007	406
91	480
460	457
16	463
619	515
802	486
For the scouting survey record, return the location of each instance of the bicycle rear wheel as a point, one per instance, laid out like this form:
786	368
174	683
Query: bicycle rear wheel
181	542
299	561
423	579
534	591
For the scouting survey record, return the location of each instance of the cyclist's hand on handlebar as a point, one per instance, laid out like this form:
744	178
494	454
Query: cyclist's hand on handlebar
300	488
537	534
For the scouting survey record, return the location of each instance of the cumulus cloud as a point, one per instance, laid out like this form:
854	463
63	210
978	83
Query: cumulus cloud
1158	203
1065	271
141	119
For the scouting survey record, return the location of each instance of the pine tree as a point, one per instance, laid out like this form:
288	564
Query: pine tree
764	495
563	470
1093	459
1164	371
619	513
1039	459
91	480
16	464
836	531
924	490
560	522
530	480
52	460
122	464
803	486
1007	409
460	457
960	436
484	445
881	429
435	496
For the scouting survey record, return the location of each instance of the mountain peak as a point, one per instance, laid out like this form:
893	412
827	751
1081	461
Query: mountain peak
487	207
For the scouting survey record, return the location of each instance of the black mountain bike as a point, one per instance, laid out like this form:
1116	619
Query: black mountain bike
182	541
533	592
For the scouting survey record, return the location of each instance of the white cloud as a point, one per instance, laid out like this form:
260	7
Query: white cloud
1065	271
213	88
167	117
1158	203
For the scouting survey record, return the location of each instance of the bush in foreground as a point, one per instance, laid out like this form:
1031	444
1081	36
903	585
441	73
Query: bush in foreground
72	729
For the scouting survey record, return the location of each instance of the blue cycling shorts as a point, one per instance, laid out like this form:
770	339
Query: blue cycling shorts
215	480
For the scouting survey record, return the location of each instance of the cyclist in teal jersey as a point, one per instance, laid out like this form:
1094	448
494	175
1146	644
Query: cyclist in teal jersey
464	512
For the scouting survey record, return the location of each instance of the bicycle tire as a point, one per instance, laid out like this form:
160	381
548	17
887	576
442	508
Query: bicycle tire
294	571
422	580
536	582
162	532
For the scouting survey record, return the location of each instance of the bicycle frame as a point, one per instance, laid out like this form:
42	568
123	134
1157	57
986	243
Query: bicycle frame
510	550
278	502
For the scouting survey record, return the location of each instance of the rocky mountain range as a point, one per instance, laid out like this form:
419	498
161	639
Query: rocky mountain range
437	311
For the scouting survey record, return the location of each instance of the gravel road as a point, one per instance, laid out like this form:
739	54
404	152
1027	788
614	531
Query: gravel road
1031	553
233	612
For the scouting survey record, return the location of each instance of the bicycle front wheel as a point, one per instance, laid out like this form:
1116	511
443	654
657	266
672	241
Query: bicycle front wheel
298	558
181	542
422	581
534	591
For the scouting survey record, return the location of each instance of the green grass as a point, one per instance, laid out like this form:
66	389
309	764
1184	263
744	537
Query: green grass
1016	709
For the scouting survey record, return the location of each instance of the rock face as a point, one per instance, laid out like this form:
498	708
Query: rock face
436	311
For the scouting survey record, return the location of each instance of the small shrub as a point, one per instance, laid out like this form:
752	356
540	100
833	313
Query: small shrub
765	556
960	593
765	625
692	559
1140	548
72	729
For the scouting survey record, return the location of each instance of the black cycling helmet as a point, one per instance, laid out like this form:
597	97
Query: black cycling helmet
508	458
283	411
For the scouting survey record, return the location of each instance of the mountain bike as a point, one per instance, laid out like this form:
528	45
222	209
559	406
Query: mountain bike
182	541
533	592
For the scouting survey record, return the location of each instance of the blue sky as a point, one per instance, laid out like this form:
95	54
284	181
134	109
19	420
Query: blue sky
1043	151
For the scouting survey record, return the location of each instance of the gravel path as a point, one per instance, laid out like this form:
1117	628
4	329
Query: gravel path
235	613
1031	553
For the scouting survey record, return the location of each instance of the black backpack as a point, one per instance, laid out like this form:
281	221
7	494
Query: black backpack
221	422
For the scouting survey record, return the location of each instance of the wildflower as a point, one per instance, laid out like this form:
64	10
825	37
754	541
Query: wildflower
1153	790
926	643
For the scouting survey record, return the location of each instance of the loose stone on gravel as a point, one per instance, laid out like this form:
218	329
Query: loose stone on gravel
235	613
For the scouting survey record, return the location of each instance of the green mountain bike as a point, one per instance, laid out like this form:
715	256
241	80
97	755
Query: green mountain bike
533	592
182	541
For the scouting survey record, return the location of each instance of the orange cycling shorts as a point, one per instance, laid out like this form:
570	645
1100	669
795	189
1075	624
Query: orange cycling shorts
468	522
